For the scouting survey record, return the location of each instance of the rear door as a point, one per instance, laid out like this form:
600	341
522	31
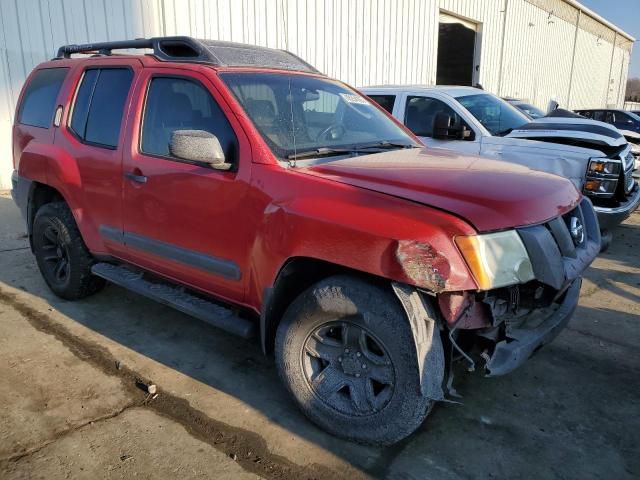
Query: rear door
92	132
184	219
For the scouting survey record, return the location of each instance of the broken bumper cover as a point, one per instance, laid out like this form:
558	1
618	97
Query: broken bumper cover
611	217
509	354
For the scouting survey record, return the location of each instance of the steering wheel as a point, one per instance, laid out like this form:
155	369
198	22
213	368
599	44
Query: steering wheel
336	130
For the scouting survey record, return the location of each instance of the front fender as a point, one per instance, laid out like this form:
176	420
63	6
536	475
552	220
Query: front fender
364	231
570	163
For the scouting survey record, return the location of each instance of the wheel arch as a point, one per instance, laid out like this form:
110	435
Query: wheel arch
40	194
295	276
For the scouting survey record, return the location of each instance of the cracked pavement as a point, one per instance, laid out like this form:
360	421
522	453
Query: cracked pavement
69	405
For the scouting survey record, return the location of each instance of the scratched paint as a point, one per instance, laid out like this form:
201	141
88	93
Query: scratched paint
423	265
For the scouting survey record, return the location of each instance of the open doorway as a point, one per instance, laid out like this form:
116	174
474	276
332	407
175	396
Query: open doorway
457	52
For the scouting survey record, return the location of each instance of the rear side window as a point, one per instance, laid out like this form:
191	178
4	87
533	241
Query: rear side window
385	101
99	105
182	104
39	98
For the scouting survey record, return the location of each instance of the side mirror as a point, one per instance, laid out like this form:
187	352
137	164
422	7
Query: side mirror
198	146
464	133
441	125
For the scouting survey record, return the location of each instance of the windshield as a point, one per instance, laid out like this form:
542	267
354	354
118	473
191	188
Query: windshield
494	114
531	110
298	113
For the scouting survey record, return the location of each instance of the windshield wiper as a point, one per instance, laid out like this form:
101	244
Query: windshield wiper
385	144
327	151
319	152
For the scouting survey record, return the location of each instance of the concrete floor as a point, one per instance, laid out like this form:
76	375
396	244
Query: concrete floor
70	407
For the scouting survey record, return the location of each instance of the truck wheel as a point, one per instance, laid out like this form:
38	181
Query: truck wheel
62	257
345	351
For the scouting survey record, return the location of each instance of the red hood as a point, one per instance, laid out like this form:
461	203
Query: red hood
489	194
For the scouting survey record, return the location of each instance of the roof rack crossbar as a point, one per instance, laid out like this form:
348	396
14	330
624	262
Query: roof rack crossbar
104	48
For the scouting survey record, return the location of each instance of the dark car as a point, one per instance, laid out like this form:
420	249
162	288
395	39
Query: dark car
529	110
621	119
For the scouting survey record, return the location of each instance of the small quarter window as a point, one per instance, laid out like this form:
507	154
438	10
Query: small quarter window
99	105
385	101
39	100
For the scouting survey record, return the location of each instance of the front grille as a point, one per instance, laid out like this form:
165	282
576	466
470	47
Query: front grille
628	163
562	248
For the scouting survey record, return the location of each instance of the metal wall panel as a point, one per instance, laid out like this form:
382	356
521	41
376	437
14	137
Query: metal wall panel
538	55
363	42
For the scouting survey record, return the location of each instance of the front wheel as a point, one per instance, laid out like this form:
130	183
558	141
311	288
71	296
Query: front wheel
345	351
62	256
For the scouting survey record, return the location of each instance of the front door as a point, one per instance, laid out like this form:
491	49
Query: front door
419	117
181	217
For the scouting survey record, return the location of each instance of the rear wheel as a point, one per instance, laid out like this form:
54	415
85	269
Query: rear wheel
62	257
345	351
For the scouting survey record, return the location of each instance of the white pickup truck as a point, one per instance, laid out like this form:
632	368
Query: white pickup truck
593	155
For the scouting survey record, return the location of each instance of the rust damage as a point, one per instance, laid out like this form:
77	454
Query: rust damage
423	265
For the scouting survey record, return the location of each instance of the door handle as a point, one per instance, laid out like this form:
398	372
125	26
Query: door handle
136	176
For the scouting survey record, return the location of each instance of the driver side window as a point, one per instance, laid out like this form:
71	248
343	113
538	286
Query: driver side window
420	113
174	103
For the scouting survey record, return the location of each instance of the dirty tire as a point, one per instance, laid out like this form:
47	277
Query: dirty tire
55	234
353	305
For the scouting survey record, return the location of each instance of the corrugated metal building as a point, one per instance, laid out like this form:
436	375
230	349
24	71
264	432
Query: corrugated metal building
531	49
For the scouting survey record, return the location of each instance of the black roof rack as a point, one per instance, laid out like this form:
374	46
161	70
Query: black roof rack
187	49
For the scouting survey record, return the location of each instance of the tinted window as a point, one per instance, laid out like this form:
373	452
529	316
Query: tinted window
40	96
81	104
385	101
107	105
99	105
181	104
421	113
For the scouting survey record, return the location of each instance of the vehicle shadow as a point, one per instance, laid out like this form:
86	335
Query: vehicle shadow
529	421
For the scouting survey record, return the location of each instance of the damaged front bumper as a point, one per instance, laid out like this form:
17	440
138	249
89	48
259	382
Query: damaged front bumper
521	343
507	325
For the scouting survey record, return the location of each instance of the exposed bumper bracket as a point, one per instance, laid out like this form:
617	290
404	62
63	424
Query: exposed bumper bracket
522	343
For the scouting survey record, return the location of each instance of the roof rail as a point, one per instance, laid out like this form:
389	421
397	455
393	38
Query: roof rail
188	49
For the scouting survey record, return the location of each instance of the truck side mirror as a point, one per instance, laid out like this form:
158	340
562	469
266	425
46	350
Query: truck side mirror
198	146
441	125
464	133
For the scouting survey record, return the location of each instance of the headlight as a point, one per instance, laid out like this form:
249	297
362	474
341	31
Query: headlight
602	166
600	187
496	259
602	177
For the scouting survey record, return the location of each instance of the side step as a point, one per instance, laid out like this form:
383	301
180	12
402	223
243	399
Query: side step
176	297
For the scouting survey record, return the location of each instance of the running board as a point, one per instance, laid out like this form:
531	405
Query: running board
176	297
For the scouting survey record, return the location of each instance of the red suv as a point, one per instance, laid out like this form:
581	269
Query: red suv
241	186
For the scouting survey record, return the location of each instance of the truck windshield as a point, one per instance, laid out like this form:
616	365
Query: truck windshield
299	114
495	114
